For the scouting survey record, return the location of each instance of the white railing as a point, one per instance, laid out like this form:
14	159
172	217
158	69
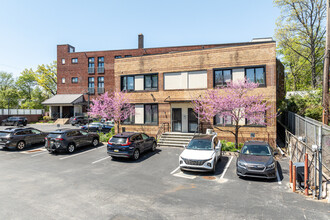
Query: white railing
21	111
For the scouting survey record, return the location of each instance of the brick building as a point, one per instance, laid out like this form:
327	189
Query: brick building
162	81
80	73
162	86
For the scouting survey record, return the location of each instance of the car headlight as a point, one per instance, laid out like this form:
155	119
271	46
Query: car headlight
241	164
271	166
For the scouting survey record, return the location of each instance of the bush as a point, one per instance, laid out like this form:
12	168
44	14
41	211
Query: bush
46	118
107	136
50	122
230	146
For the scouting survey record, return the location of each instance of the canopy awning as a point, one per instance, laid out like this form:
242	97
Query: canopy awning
64	99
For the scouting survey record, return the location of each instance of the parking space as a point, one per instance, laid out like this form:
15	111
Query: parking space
152	187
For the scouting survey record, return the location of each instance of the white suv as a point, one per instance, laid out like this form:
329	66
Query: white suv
202	154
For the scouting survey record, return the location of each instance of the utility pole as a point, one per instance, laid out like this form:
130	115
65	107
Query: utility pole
325	118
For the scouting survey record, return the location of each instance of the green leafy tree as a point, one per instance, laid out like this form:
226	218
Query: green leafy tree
25	84
37	97
8	92
46	77
300	35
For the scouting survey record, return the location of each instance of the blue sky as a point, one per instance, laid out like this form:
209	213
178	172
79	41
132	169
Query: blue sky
30	30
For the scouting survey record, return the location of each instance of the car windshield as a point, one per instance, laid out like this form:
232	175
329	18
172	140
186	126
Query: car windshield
4	134
199	144
118	140
109	123
95	123
258	150
54	135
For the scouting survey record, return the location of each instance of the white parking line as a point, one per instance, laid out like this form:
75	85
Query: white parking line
226	168
34	155
100	160
77	154
175	170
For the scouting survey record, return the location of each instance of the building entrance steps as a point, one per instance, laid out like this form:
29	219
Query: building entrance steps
175	139
62	121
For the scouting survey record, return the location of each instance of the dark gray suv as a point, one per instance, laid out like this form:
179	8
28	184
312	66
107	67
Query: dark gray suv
15	121
256	159
19	138
70	139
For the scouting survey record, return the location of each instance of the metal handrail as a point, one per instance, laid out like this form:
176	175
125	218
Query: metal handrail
162	129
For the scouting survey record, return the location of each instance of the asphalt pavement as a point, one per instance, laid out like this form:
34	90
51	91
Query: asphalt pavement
90	185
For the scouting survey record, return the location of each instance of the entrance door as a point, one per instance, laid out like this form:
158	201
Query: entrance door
176	119
192	121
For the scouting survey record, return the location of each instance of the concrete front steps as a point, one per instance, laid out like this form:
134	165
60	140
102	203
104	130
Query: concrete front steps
174	139
62	121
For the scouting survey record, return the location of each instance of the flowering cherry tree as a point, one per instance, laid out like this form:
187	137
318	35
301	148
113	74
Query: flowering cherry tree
234	104
115	106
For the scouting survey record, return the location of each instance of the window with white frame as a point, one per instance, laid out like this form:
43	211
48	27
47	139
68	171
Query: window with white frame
185	80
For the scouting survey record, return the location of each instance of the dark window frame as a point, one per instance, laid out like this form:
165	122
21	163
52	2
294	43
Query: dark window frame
72	81
98	82
144	81
256	67
73	60
91	82
91	64
100	62
157	117
121	83
223	125
118	56
223	83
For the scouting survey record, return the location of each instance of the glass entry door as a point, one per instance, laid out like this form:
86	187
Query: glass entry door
192	121
176	119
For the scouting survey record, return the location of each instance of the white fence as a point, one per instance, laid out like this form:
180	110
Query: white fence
21	111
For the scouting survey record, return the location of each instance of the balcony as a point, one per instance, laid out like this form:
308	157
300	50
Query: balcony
100	90
91	91
91	70
100	69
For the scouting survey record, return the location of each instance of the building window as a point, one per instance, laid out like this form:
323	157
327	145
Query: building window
127	83
116	57
90	82
151	114
151	82
63	61
74	79
222	77
100	81
185	80
256	75
223	120
91	62
74	60
63	80
128	55
130	119
100	61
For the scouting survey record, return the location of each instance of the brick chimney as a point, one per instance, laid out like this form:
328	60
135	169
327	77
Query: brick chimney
140	41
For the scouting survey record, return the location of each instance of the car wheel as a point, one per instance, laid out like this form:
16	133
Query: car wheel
20	145
114	157
71	148
153	148
136	154
214	166
95	142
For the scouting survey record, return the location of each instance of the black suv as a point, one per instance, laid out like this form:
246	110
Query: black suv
69	139
130	144
80	120
19	138
14	121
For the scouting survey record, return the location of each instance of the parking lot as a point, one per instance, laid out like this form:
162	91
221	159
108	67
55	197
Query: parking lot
88	184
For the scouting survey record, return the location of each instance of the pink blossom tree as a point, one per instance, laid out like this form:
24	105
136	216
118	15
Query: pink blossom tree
115	106
234	104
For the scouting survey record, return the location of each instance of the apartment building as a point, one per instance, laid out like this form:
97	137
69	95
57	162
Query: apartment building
162	86
84	75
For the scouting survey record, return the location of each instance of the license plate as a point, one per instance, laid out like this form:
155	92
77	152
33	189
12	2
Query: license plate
116	150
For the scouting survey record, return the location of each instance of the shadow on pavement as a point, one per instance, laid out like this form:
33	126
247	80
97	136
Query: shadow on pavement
144	156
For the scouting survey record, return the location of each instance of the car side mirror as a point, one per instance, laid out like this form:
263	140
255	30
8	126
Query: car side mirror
275	153
217	147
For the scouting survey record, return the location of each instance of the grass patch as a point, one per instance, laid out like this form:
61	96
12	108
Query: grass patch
230	146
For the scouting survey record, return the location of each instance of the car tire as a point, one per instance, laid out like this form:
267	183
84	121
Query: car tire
95	142
20	145
114	157
71	148
214	166
136	154
153	148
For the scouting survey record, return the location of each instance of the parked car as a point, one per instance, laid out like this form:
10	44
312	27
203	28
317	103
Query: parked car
130	145
202	154
97	127
69	140
16	121
256	159
20	138
80	120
